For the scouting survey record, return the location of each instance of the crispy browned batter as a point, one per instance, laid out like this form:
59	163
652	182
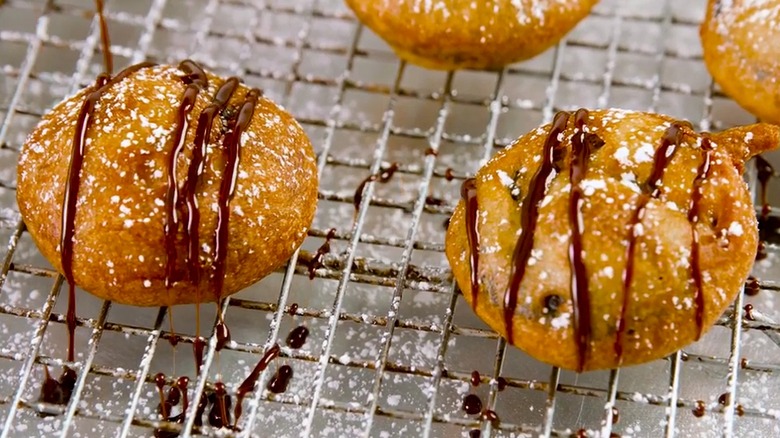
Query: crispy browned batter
484	35
741	42
661	309
119	249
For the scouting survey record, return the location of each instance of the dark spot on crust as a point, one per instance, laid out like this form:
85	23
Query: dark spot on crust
552	303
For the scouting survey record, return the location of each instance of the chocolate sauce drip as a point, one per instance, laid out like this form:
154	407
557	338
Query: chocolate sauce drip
297	337
219	416
195	80
490	415
162	407
108	61
248	385
316	260
749	312
663	156
724	399
468	192
744	363
761	253
70	197
431	151
292	309
580	296
383	177
448	175
700	409
529	217
740	410
752	287
693	217
195	173
502	383
765	173
475	433
472	404
280	380
475	378
57	391
223	335
197	350
434	201
232	145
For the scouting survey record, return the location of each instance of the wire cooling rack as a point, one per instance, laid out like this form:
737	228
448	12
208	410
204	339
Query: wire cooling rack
392	344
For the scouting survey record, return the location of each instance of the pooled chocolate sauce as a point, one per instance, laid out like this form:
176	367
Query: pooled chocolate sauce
195	80
232	146
223	335
579	287
195	173
468	192
57	391
663	156
530	215
297	337
700	409
752	287
280	380
475	378
316	260
693	217
248	385
70	198
472	404
382	177
219	415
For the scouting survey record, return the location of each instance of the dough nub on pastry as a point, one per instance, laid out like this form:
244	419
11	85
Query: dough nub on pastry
608	237
483	35
167	185
741	43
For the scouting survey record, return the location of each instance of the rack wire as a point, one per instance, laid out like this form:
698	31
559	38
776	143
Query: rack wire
393	344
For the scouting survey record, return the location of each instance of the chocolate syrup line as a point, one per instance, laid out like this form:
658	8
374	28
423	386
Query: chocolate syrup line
468	192
765	173
248	385
663	155
108	60
195	173
72	183
529	218
580	296
232	145
316	260
383	177
693	217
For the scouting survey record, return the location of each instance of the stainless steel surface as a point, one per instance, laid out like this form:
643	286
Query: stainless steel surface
392	342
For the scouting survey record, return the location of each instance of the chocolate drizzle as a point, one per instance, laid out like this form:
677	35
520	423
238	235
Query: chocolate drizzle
280	380
663	156
195	79
108	60
468	193
765	173
223	335
529	218
248	385
383	177
83	123
232	145
316	260
693	217
297	337
580	296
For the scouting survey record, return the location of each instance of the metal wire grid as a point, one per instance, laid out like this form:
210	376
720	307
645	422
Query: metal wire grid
396	263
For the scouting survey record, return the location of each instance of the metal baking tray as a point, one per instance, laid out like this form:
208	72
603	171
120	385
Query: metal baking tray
392	344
